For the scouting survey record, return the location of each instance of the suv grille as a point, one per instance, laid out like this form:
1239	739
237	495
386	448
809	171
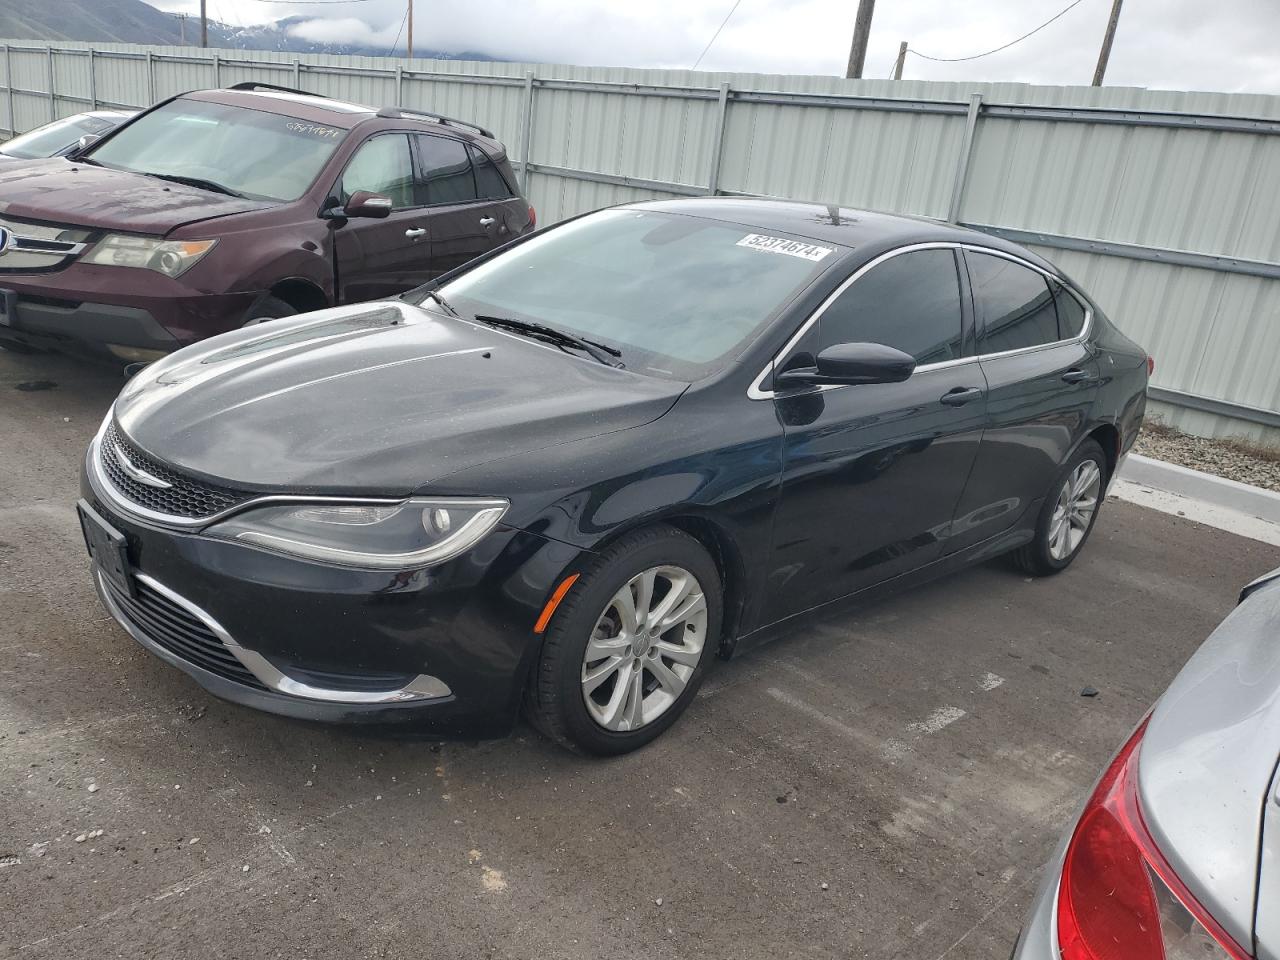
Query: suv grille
184	497
41	246
170	626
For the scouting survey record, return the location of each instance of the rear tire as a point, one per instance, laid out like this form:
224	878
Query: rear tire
267	308
643	668
1069	513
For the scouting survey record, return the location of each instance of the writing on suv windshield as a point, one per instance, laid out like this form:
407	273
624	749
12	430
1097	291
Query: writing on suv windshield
678	296
223	149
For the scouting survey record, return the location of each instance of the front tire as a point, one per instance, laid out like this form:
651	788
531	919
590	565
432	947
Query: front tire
629	644
267	308
1070	510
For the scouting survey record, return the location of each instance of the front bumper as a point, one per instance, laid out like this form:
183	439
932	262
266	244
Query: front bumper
112	311
445	649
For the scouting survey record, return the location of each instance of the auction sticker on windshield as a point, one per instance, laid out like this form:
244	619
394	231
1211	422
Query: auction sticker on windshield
792	248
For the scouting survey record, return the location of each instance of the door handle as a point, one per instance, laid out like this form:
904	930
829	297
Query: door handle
1076	375
486	221
959	396
413	233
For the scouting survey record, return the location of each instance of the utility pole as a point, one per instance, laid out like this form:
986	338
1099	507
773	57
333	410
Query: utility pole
1105	54
409	49
902	59
182	25
204	25
861	33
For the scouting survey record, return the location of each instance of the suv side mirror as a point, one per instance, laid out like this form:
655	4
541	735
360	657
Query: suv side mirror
843	363
364	205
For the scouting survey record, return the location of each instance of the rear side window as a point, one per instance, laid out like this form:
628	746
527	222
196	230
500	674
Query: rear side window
1014	305
382	166
911	302
446	170
489	182
1070	313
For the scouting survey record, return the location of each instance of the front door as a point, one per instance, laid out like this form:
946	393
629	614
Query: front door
872	473
381	258
1042	381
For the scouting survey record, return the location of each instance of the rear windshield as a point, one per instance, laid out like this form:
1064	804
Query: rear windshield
679	295
264	156
52	138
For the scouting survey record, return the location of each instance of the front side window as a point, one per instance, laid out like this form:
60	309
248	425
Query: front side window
911	302
679	296
1014	304
382	166
446	170
251	153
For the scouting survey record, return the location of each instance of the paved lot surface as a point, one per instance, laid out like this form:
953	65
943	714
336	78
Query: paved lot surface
883	785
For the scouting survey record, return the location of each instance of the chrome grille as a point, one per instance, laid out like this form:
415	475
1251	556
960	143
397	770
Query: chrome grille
168	625
184	497
40	246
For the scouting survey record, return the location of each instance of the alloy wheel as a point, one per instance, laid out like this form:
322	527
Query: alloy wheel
644	648
1072	514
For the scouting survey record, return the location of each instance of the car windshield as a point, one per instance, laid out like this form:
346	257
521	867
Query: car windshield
47	140
680	296
265	156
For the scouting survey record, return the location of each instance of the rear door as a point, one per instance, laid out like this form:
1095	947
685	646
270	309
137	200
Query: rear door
380	258
872	473
1042	383
463	225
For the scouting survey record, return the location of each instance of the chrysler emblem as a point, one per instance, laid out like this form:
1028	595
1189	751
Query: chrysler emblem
133	470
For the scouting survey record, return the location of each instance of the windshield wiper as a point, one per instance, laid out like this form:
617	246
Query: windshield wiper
199	183
598	351
438	298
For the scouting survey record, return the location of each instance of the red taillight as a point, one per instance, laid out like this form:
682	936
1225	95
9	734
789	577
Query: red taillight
533	225
1151	365
1118	890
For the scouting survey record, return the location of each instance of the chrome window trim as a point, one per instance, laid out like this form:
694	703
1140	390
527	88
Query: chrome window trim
757	391
421	687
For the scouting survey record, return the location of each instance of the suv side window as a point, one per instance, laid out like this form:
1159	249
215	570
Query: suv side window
911	301
446	170
489	182
1014	304
1070	313
381	165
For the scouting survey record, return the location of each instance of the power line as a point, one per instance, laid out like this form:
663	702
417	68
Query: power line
732	11
315	3
395	43
977	56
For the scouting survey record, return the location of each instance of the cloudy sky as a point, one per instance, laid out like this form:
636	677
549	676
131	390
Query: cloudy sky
1229	45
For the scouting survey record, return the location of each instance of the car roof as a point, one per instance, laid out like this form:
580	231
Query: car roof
866	232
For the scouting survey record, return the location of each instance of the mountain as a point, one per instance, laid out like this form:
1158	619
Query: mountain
133	21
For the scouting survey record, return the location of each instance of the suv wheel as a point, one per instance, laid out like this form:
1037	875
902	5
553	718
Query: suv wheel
267	308
628	646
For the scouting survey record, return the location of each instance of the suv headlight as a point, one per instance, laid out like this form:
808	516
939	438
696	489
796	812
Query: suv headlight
382	536
173	258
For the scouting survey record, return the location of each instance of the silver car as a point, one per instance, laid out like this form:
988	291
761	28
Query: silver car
61	138
1176	854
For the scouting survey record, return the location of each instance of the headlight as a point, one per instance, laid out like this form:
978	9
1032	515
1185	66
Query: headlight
170	257
382	536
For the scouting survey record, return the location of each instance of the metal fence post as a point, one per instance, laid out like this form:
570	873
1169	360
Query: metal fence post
93	79
527	131
217	70
399	83
8	86
717	140
151	81
297	74
53	105
962	161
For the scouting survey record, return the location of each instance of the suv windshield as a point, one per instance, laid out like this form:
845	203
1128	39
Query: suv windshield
265	156
678	295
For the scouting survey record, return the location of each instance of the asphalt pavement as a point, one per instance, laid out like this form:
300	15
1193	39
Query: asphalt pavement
885	784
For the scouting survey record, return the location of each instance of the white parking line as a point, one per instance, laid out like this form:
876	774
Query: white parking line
990	681
942	717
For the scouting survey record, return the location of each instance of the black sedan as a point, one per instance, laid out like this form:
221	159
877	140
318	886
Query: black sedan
569	474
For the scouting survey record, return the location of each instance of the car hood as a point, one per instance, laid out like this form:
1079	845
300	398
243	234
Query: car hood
1207	761
59	191
378	398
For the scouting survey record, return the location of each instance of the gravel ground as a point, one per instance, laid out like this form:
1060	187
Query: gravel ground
1233	459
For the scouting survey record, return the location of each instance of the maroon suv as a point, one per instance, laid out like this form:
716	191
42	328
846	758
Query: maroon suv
220	208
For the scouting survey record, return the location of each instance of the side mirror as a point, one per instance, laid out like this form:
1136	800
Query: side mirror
83	144
362	205
843	363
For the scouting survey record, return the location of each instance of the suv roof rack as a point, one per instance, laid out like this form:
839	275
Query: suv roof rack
255	85
397	113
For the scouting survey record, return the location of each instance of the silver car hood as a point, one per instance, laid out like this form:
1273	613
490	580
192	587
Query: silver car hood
1207	763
